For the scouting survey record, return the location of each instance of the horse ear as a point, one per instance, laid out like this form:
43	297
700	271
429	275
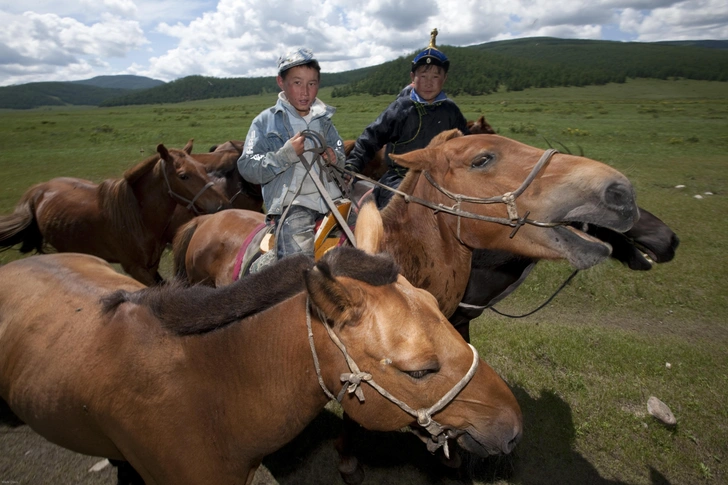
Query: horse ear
332	297
369	229
188	147
163	152
423	158
441	138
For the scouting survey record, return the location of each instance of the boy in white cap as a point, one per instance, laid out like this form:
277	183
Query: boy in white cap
420	112
272	148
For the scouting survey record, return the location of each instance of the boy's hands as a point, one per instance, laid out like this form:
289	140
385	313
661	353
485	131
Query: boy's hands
297	143
329	156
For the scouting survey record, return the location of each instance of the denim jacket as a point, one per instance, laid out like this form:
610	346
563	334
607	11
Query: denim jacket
268	160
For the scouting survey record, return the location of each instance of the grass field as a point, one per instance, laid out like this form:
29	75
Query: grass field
584	367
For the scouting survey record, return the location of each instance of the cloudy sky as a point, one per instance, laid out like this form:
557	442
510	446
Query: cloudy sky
58	40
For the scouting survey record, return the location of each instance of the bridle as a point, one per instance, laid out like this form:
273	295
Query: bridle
181	198
352	381
509	199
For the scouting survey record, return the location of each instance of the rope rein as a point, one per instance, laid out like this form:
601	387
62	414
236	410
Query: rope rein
351	384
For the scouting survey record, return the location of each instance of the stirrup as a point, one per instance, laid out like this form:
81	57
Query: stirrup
324	239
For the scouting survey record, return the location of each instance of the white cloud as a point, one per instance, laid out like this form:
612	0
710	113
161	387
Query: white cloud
48	47
168	39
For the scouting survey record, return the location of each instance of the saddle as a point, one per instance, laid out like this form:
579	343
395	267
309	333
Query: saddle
258	249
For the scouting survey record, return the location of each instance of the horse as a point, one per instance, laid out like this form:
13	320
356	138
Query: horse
120	220
198	385
496	274
480	127
433	245
221	165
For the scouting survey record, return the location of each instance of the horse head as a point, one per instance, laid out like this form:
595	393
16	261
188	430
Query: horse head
188	183
420	364
473	175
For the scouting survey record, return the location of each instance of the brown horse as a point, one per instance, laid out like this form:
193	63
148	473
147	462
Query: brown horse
198	385
434	247
221	165
120	220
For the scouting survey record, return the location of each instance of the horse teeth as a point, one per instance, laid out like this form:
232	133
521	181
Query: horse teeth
584	226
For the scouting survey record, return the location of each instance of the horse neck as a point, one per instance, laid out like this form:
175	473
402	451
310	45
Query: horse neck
155	202
426	249
265	360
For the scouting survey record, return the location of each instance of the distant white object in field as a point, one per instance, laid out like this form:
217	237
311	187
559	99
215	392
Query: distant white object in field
660	411
99	466
708	193
679	186
698	196
668	365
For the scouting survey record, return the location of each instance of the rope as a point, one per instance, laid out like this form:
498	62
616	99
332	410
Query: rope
352	384
542	305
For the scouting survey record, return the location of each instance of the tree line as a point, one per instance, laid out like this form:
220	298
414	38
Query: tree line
512	65
547	62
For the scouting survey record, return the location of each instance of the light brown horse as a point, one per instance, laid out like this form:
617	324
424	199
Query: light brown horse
221	166
120	220
198	385
434	247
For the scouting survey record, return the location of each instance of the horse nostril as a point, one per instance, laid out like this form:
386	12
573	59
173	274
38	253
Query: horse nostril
619	196
509	445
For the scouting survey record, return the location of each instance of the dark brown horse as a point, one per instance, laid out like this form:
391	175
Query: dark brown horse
120	220
198	385
496	274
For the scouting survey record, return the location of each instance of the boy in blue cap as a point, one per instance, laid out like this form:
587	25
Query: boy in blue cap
272	148
420	112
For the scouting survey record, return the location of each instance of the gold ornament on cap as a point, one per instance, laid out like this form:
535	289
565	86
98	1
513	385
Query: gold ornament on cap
433	36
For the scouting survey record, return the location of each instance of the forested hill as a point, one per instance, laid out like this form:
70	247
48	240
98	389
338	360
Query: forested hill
90	92
480	69
548	62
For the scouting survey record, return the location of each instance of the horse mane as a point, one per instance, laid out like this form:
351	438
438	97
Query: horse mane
134	173
201	309
118	201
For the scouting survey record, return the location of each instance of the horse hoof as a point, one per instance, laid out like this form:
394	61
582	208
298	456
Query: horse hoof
352	474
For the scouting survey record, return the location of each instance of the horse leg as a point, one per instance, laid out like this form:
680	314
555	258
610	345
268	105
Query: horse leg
126	474
350	469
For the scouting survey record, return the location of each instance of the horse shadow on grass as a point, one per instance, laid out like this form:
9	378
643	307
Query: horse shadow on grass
545	455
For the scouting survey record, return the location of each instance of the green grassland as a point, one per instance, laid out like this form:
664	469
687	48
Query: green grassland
584	367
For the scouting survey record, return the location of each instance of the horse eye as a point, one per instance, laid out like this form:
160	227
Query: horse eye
183	176
482	160
419	374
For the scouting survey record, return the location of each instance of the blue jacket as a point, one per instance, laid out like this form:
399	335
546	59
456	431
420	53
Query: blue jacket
268	161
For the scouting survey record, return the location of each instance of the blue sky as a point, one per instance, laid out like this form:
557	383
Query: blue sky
59	40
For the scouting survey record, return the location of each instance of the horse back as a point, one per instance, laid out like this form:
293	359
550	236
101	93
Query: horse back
211	249
50	350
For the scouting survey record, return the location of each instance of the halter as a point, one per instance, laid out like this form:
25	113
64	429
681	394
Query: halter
509	198
181	198
352	382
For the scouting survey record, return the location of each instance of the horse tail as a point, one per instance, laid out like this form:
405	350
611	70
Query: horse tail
180	244
21	227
